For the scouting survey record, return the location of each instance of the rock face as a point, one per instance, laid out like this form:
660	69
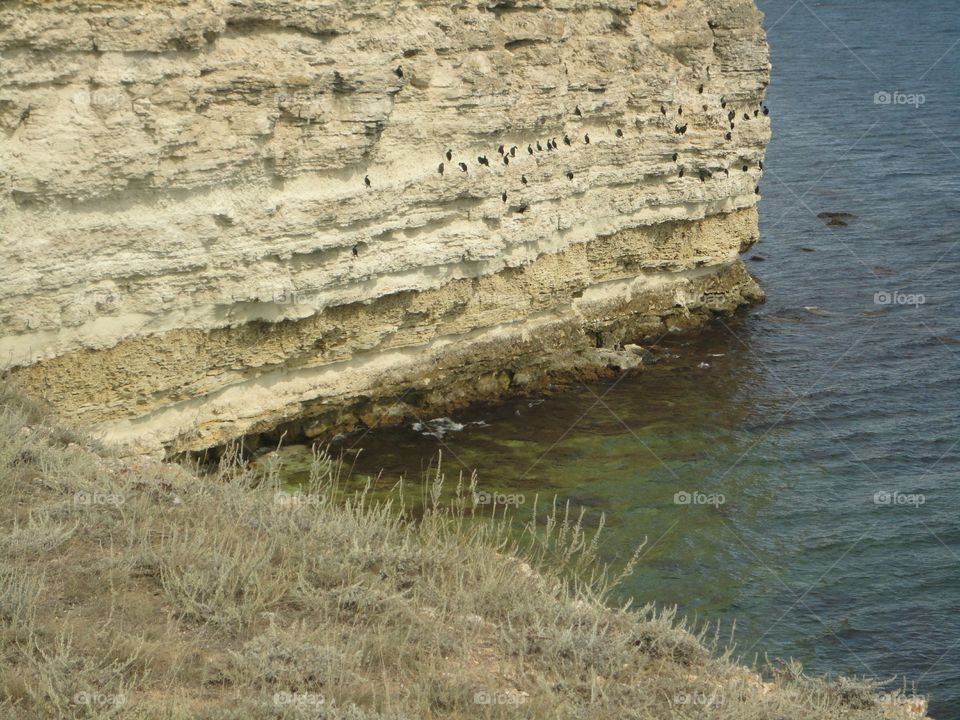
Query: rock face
221	216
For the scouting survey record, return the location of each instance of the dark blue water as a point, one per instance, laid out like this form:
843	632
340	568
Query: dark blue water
811	404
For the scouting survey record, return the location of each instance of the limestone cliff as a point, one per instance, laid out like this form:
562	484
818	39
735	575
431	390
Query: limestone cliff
220	216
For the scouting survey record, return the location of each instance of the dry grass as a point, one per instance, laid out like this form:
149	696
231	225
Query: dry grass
140	590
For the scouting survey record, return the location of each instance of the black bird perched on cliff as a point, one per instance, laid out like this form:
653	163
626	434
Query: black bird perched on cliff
745	168
746	116
506	159
680	174
577	112
482	159
732	125
761	164
354	251
756	112
513	151
553	141
366	180
680	129
723	102
504	196
726	172
703	176
500	149
680	110
675	157
449	154
663	110
463	166
766	110
700	89
440	168
398	72
539	149
586	139
530	149
549	145
523	179
756	190
569	175
566	139
731	115
523	208
729	136
619	132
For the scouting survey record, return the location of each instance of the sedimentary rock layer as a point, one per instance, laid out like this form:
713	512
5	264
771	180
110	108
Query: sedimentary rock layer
193	251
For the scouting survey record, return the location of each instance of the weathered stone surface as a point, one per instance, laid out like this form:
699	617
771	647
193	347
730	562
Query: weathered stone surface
191	252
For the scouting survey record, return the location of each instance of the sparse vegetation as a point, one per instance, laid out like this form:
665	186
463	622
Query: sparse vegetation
137	589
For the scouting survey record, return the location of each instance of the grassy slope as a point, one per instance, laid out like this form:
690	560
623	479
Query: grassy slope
140	590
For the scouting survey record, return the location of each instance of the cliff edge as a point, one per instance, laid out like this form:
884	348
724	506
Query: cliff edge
221	216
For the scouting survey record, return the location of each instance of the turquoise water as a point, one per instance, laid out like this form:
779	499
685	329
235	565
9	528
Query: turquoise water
809	405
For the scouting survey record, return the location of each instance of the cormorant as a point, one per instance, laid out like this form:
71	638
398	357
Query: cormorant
566	139
700	89
530	149
619	132
746	116
732	125
482	159
744	168
680	129
729	136
586	139
398	72
766	110
674	157
663	110
506	159
523	208
731	115
761	164
500	149
513	151
366	180
523	179
549	145
569	175
504	196
577	112
680	110
756	112
726	172
539	149
681	172
449	154
354	251
756	190
723	102
440	169
463	166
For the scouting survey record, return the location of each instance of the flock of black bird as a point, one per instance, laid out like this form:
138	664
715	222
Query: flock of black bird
507	154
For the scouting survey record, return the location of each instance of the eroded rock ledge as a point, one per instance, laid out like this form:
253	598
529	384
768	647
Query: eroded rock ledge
192	252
